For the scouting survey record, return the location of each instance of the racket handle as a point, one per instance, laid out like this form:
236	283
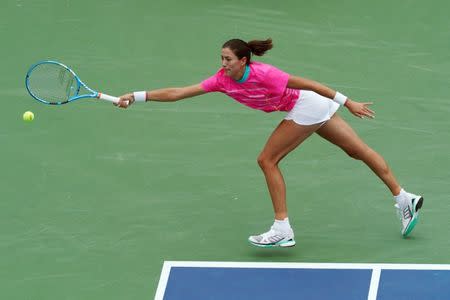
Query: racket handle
109	98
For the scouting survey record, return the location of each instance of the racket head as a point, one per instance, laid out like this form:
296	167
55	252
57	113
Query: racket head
54	83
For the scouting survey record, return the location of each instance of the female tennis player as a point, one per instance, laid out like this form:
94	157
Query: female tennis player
311	108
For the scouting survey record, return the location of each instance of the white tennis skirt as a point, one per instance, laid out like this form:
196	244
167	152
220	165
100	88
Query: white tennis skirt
312	108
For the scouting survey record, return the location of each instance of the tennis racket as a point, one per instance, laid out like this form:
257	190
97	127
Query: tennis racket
54	83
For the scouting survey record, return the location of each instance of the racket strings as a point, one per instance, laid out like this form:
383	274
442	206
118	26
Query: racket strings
52	83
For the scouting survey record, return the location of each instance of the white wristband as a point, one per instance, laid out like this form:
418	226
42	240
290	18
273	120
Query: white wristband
339	98
140	96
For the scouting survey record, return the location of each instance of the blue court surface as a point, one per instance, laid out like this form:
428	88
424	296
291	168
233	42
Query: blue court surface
242	280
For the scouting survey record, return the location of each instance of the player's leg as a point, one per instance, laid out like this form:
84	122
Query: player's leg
286	137
338	132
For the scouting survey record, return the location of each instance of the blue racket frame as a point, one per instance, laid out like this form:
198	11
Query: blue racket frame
80	84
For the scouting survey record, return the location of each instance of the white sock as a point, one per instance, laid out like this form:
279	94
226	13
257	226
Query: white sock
399	198
282	225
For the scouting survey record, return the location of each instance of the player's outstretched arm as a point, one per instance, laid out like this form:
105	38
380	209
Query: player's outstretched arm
163	95
359	109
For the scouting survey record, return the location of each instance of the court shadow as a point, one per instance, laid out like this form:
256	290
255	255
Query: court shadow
272	252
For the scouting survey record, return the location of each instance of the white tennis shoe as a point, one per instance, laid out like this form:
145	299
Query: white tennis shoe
273	238
408	212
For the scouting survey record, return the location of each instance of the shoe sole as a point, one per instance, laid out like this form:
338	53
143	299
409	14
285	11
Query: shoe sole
415	218
286	244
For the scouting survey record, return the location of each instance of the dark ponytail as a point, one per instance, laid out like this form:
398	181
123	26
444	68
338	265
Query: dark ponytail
260	47
243	49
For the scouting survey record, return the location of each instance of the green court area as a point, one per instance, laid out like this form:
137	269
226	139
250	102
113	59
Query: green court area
94	199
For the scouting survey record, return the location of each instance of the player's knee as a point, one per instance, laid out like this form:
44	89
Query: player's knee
355	153
261	160
264	161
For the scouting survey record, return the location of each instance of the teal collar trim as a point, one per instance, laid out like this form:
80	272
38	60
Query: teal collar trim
245	76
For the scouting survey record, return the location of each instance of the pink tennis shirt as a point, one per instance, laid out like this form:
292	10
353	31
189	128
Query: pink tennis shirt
265	88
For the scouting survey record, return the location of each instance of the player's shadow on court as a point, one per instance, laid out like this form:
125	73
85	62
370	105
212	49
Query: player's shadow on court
271	253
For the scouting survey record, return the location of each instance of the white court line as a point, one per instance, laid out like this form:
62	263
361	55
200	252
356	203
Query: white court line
163	281
284	265
374	282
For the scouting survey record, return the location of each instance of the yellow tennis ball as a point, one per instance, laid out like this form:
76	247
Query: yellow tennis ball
28	116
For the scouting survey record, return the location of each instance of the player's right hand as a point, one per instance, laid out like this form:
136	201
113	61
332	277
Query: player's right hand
125	101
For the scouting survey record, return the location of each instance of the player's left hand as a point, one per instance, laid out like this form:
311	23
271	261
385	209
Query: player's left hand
360	109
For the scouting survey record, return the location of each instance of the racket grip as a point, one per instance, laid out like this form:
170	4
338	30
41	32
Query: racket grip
109	98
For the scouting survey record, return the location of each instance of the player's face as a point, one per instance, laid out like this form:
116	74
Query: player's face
233	66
